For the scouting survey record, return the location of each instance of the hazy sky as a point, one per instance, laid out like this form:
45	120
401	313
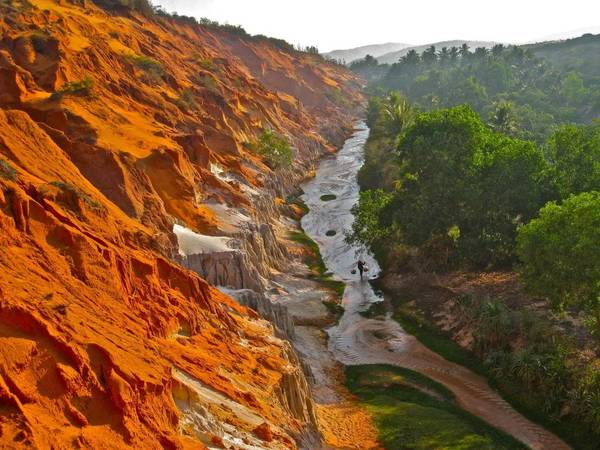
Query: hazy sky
332	24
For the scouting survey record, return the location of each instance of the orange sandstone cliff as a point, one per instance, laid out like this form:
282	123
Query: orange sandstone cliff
115	129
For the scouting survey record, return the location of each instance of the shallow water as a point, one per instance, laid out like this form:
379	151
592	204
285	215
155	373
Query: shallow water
359	340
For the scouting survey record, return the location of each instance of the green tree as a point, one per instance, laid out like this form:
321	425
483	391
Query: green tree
559	253
572	88
573	154
275	149
398	113
456	174
503	118
369	227
429	56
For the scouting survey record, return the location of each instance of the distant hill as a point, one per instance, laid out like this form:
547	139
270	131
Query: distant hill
375	50
580	54
568	34
394	56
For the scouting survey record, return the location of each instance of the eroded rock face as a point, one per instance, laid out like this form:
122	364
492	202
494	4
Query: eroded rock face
231	269
110	127
276	313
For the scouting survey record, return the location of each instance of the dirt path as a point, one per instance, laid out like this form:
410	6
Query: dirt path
358	340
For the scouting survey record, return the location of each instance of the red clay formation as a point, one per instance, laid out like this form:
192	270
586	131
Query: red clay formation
104	341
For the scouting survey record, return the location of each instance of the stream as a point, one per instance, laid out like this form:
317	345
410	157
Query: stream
359	340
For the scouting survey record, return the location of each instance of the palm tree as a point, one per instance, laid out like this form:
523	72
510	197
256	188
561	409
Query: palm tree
503	118
398	113
412	58
454	52
497	50
480	53
429	56
444	55
464	51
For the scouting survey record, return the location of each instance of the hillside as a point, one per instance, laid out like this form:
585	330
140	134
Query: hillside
117	129
375	50
394	56
581	54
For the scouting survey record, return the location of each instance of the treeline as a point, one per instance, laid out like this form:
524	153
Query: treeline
519	93
146	8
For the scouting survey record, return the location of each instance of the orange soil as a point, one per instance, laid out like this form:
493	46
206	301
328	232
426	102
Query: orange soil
347	425
89	307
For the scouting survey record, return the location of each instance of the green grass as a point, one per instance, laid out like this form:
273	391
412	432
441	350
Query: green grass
7	171
334	308
298	202
153	69
328	197
375	310
441	342
412	411
81	88
186	101
68	187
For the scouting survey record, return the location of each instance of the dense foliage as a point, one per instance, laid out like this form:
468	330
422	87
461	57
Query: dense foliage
443	190
456	188
518	91
275	149
560	252
533	362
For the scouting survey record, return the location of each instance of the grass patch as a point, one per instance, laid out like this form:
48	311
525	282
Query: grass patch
186	101
315	263
313	259
331	233
68	187
334	308
375	310
209	83
81	88
328	197
274	148
154	70
298	202
7	171
412	411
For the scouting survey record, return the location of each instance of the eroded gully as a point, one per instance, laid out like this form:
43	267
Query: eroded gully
359	340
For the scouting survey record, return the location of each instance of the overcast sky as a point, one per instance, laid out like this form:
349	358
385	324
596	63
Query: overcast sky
333	24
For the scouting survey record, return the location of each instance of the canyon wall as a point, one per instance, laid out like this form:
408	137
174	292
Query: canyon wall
116	128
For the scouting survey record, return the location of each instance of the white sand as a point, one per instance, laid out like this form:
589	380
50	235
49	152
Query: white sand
191	243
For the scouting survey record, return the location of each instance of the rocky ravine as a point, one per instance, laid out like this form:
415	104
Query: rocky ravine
107	193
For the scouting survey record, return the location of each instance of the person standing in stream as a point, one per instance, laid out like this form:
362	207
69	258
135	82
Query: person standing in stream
361	267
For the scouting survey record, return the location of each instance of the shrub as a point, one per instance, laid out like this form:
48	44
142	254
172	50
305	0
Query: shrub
559	252
68	187
206	64
142	6
7	171
186	101
153	69
81	88
209	83
275	149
